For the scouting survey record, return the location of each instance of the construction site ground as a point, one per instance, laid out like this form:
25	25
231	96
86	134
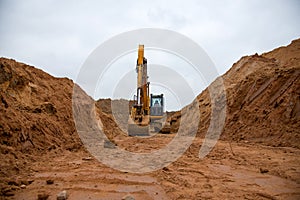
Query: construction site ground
257	156
231	171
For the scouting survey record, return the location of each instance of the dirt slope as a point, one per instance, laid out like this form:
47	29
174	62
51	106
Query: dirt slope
35	107
36	116
114	116
263	99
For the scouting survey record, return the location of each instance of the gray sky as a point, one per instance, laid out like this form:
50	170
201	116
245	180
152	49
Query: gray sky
58	36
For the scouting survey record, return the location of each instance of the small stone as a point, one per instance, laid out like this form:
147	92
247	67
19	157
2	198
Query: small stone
87	158
23	186
165	169
263	170
24	182
43	196
128	197
50	181
109	144
63	195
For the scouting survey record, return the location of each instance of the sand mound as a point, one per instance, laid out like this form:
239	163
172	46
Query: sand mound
263	99
36	115
36	108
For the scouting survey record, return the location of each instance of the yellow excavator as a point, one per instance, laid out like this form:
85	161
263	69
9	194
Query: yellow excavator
147	111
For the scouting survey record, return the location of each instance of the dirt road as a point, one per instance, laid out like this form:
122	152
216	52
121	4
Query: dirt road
249	171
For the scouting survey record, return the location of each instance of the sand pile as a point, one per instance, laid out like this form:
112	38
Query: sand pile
36	115
263	99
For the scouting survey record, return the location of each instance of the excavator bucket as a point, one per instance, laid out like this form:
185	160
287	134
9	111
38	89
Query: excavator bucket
166	129
157	126
136	130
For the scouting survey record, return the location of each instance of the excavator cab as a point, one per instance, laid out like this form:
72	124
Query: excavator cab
157	116
156	105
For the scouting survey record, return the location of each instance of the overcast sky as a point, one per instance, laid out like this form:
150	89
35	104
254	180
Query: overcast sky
58	36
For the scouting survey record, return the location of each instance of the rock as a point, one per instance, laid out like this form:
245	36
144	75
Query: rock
109	144
43	196
48	108
24	182
23	186
128	197
263	170
87	158
50	181
165	169
63	195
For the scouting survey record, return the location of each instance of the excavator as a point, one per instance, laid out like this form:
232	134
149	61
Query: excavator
147	110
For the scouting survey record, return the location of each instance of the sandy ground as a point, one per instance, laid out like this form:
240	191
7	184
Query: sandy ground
248	171
39	140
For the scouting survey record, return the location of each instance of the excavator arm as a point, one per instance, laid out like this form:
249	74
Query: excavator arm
141	113
142	81
139	120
